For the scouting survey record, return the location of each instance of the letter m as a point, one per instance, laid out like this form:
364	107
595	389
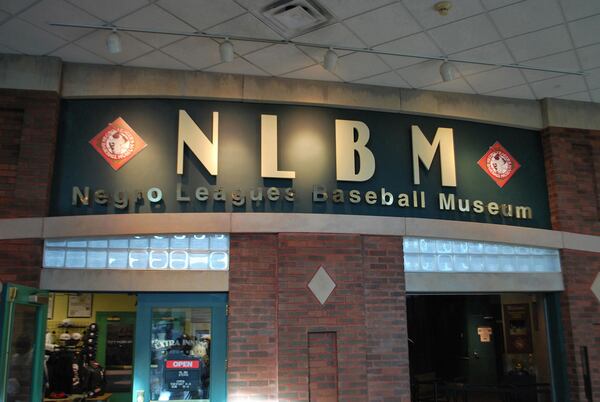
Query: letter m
424	151
190	134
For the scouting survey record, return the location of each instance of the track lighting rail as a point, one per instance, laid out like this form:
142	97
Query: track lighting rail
230	37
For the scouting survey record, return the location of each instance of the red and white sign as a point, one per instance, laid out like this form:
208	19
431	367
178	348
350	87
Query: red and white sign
183	364
118	143
499	164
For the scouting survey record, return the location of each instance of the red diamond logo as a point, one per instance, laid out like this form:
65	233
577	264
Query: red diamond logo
499	164
118	143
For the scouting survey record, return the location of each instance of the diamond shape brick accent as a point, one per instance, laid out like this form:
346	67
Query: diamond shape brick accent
118	143
499	164
321	285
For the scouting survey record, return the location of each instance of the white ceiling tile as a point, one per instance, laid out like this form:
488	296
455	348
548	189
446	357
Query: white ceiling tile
540	43
59	11
456	85
343	9
110	10
519	92
495	80
423	74
316	72
595	95
196	52
562	61
246	25
27	38
384	24
579	96
157	59
418	44
237	66
331	35
202	14
585	31
74	54
493	4
589	56
389	79
359	65
558	86
527	16
279	59
424	12
496	53
131	47
593	78
575	9
14	6
465	34
8	50
3	16
153	17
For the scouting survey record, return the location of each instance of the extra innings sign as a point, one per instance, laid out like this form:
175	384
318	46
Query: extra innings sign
136	156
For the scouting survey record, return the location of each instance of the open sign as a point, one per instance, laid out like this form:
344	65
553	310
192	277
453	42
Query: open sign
183	364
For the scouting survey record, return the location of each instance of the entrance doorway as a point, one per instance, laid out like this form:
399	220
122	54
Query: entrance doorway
113	346
480	348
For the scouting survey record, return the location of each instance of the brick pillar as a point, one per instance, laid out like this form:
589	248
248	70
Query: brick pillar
284	344
385	303
28	127
573	174
252	332
300	256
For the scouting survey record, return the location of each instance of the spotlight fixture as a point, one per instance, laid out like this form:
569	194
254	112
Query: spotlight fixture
447	71
113	42
226	50
330	60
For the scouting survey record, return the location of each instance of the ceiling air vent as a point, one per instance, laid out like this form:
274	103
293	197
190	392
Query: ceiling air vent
294	17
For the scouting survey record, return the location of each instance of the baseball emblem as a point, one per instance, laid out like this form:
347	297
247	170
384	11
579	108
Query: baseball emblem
499	164
117	143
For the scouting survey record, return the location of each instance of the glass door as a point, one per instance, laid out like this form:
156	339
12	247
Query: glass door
23	312
180	348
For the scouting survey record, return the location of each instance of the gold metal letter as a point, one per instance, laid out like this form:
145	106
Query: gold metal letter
424	151
268	149
190	134
345	148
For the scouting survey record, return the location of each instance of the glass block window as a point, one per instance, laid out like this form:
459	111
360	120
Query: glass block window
442	255
166	252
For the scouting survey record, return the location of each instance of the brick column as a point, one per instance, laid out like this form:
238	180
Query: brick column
385	302
573	174
351	348
252	332
28	127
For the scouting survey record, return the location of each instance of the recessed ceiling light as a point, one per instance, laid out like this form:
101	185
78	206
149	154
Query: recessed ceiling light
442	7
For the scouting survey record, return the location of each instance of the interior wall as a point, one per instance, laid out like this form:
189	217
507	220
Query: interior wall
539	359
100	302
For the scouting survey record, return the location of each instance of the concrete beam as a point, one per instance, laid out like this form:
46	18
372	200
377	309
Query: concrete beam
103	81
37	73
571	114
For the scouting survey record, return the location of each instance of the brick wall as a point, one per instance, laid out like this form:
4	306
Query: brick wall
573	175
352	348
28	126
581	317
572	159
